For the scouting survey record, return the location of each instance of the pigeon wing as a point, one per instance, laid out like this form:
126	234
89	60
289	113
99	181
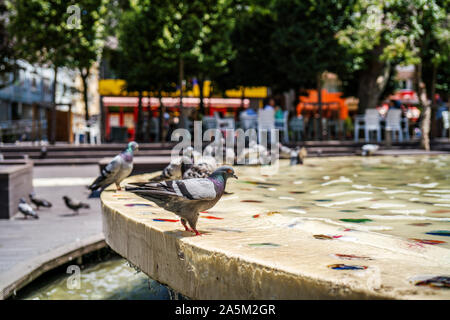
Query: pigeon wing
108	173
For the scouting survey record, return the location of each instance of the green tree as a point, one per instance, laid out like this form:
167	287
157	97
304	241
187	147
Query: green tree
8	65
145	59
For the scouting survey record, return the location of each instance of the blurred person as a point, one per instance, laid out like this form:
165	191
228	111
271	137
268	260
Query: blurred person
269	104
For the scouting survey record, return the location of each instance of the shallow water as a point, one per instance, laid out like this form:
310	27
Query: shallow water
113	279
401	196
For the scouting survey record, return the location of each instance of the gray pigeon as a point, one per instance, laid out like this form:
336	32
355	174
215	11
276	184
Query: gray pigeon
186	198
75	205
369	149
173	170
39	202
26	209
118	169
295	155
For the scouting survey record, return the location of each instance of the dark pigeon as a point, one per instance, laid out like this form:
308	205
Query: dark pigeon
39	202
26	209
75	205
186	198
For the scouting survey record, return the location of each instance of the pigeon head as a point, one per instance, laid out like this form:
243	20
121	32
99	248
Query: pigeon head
31	195
132	146
186	164
66	198
225	172
22	200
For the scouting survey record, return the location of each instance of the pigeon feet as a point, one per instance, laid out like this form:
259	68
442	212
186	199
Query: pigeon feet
196	232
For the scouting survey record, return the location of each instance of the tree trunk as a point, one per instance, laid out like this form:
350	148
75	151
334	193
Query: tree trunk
426	112
138	132
319	104
162	110
372	80
434	127
53	111
201	81
84	76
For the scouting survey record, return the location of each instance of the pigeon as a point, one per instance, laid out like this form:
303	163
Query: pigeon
186	198
39	202
75	205
254	154
26	209
118	169
295	155
184	168
369	149
172	171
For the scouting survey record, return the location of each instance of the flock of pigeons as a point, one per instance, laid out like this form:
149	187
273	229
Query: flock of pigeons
191	183
28	211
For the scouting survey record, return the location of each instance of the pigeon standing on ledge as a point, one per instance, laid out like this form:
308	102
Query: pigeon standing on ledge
26	209
75	205
295	155
118	169
186	198
39	202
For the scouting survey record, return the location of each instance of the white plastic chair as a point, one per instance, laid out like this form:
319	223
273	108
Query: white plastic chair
359	125
394	123
445	123
372	123
248	121
94	134
282	125
224	123
266	122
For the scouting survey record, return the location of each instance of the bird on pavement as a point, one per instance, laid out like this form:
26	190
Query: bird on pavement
118	169
296	155
369	149
186	198
75	205
26	209
39	202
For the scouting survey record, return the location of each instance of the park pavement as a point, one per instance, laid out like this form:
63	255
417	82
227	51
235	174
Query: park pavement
23	240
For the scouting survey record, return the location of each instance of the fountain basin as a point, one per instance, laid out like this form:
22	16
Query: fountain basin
262	242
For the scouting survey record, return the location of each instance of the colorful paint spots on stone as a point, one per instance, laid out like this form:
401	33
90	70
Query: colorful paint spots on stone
165	220
323	200
350	257
297	192
211	217
138	205
443	233
271	213
341	266
264	244
420	224
346	210
252	201
440	211
356	220
435	282
256	216
427	241
326	237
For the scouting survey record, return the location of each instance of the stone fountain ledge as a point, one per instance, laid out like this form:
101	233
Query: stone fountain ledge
241	257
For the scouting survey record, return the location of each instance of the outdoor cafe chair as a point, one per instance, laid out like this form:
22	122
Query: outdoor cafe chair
224	123
209	122
394	123
445	123
154	128
248	121
266	122
297	127
372	123
282	125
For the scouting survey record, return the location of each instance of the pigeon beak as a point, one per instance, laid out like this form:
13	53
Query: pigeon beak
235	176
